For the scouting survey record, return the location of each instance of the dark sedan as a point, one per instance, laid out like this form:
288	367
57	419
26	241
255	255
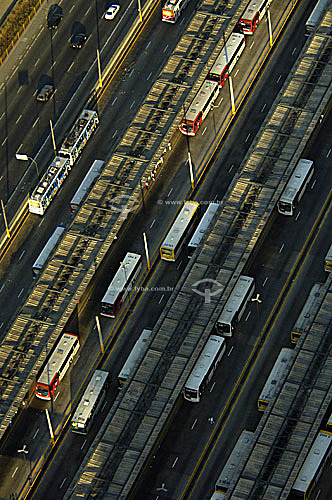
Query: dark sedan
78	40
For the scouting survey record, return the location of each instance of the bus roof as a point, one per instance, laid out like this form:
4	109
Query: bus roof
121	277
316	14
305	318
41	191
272	383
63	347
204	361
313	460
93	172
89	398
217	495
50	244
235	299
252	8
231	467
75	132
172	4
134	355
179	226
200	100
295	181
203	225
227	53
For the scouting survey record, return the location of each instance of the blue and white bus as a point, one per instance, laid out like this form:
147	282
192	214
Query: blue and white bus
46	251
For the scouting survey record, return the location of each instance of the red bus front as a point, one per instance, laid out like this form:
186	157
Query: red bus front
111	310
189	127
168	15
44	391
248	26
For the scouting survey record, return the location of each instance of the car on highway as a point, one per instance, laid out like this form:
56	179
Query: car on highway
111	12
77	40
54	16
45	93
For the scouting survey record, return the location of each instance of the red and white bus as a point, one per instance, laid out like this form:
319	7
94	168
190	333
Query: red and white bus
172	9
121	284
56	365
227	58
252	16
199	107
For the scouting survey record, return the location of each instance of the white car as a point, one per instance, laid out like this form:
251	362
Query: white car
112	12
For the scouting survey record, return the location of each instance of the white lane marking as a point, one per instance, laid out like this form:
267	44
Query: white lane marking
154	220
264	282
132	104
204	131
19	148
298	215
174	463
132	71
161	298
56	397
236	72
248	316
247	137
114	133
20	257
72	8
169	192
1	325
251	46
195	422
19	90
4	141
63	482
2	115
230	350
230	168
281	248
2	287
328	153
14	472
19	295
279	77
313	184
212	387
263	108
36	121
40	223
87	12
72	64
165	48
177	267
83	444
294	50
148	44
148	78
35	434
37	61
114	100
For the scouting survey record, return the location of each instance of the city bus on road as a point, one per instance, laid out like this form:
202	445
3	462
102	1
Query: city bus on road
233	463
204	368
252	16
172	10
90	402
202	228
181	230
78	135
121	285
305	318
315	16
235	305
272	384
199	107
132	360
295	187
56	365
328	260
46	251
312	467
85	185
227	59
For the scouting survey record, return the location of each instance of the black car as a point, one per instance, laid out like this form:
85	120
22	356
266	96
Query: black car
54	16
78	40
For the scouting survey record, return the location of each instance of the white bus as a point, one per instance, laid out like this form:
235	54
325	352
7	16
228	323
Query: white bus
227	58
235	305
204	368
328	260
181	230
313	465
85	185
202	228
132	360
199	107
252	16
316	16
272	384
172	9
56	365
46	251
78	135
305	318
90	402
218	496
295	187
233	463
121	285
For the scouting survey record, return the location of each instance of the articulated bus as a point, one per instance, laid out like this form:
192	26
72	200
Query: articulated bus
132	360
305	318
227	59
313	466
199	107
172	9
272	384
252	16
46	251
204	368
233	463
79	135
121	285
90	402
180	232
235	305
315	16
85	185
328	260
202	228
295	187
56	365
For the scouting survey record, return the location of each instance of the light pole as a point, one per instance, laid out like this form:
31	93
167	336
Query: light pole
26	158
25	452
